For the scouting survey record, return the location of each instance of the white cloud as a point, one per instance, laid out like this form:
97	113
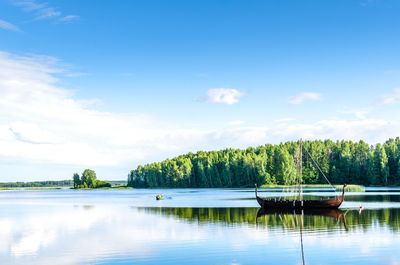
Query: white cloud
237	122
68	18
304	96
359	113
34	110
370	130
47	13
29	5
379	103
8	26
43	11
224	95
391	98
40	121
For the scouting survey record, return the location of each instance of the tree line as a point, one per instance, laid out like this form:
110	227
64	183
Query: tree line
340	161
32	184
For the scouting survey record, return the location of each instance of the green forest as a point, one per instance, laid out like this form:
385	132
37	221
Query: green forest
341	161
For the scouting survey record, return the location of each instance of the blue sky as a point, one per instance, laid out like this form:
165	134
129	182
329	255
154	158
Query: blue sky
109	85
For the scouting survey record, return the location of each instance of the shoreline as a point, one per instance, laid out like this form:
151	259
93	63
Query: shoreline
349	188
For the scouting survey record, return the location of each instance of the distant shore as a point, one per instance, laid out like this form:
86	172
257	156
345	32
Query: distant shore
349	188
65	187
54	184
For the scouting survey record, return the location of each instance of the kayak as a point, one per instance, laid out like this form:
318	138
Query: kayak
159	197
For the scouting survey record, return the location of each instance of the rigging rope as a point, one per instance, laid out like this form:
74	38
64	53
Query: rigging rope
321	171
301	236
287	188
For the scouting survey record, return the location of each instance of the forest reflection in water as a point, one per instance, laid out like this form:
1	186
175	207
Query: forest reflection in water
323	219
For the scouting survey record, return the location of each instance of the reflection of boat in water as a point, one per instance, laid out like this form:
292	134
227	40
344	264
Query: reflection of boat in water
300	203
332	213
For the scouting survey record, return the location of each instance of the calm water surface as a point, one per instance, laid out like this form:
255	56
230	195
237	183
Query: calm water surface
194	226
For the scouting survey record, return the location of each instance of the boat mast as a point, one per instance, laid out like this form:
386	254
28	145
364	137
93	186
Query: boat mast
300	167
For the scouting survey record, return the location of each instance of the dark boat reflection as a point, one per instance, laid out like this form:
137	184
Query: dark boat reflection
332	213
298	219
321	219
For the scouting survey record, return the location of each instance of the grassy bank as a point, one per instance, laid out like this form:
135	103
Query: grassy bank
117	188
351	187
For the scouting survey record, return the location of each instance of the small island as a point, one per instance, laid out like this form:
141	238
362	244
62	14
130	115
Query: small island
88	180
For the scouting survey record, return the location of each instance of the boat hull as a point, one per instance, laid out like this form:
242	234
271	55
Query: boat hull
303	204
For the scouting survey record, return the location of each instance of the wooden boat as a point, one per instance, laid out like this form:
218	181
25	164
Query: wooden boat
300	203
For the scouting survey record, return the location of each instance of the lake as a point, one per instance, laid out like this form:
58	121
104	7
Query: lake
194	226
